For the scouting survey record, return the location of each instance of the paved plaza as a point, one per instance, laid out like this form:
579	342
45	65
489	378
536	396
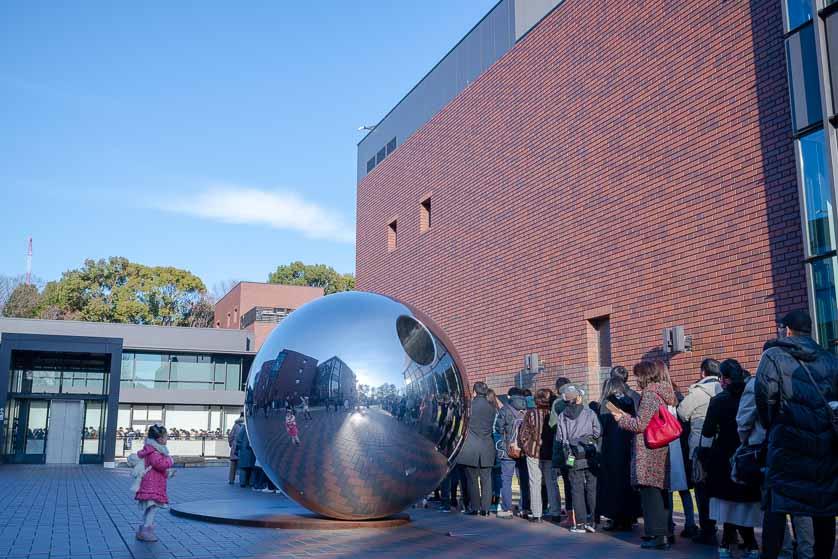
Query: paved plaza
87	512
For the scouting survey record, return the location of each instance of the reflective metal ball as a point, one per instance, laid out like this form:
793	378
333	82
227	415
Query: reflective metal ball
356	406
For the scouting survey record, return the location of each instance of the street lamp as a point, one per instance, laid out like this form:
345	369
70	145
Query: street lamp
365	127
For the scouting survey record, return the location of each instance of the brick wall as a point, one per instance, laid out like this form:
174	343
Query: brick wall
634	157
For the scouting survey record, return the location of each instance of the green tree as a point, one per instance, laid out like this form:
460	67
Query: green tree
312	275
23	302
117	290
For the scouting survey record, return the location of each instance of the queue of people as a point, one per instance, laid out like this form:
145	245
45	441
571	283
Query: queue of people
755	449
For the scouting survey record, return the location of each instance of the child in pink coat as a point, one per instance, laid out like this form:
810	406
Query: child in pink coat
291	427
152	494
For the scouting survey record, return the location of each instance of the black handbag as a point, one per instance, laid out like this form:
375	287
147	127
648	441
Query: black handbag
747	464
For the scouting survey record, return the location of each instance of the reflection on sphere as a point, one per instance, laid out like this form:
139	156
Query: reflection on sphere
356	406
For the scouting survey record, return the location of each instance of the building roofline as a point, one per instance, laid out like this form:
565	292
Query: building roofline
428	73
119	324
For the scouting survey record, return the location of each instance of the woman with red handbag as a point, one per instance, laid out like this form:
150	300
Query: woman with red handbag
654	429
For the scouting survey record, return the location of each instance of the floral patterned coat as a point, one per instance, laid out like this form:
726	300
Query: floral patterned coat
649	466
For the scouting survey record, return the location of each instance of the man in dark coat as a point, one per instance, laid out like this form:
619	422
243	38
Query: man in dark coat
478	452
802	463
508	422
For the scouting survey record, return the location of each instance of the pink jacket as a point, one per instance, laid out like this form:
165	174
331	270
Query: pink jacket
153	485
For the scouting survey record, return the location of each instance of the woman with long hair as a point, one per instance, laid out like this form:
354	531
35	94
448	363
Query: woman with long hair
650	468
617	500
736	505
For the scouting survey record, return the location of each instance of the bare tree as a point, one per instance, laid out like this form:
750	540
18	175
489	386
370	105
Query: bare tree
8	284
222	288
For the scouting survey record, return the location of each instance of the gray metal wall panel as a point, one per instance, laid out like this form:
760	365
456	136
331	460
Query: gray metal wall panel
478	50
530	12
832	42
210	340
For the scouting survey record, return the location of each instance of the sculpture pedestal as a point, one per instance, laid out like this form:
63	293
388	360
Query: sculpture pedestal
273	511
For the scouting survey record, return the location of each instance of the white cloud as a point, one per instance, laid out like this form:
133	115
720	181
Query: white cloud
277	209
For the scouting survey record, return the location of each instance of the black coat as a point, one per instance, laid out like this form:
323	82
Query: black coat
720	425
616	498
479	447
802	463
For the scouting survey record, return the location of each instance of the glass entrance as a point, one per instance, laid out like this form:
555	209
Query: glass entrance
27	431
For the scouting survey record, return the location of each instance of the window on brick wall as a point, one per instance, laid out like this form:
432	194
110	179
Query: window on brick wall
379	157
392	229
370	164
798	12
391	146
425	215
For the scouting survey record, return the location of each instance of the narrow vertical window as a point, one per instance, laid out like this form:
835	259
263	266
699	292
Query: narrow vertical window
425	215
391	235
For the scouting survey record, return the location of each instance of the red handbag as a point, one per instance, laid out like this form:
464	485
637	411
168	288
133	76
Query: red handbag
662	429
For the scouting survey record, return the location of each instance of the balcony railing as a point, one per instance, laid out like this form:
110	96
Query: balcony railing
206	447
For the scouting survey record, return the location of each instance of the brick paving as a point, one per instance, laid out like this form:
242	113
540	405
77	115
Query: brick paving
87	512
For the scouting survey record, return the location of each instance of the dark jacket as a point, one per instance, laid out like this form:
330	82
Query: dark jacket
578	426
616	498
246	457
720	425
508	415
479	448
802	463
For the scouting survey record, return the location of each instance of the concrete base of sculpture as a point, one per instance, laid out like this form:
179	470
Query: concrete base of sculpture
273	511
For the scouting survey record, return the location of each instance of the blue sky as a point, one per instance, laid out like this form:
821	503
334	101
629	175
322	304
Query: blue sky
214	136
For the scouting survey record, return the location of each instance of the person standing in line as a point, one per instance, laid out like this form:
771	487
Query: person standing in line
246	458
232	440
693	410
796	395
497	439
535	437
478	452
555	410
752	435
735	505
680	466
617	500
508	423
152	494
650	466
578	433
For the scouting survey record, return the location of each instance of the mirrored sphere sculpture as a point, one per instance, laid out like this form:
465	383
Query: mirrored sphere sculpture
356	406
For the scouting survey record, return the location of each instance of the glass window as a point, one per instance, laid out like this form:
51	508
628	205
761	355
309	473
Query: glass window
215	419
234	373
127	370
192	368
36	427
798	12
819	211
190	385
151	366
123	417
151	384
230	417
826	303
391	146
91	436
370	164
84	382
44	381
187	418
379	157
220	368
804	86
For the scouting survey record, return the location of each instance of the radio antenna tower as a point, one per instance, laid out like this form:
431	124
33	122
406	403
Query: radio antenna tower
29	263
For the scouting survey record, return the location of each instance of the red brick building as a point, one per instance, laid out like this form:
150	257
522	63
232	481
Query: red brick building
620	169
259	307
